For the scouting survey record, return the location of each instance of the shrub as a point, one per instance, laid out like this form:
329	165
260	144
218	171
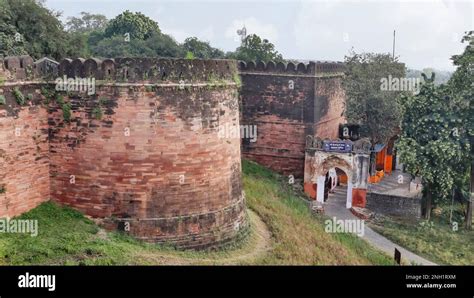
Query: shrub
2	100
66	112
97	113
20	99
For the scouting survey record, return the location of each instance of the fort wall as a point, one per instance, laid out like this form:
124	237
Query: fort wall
287	102
140	154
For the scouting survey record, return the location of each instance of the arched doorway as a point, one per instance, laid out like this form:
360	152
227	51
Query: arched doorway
354	163
329	167
336	178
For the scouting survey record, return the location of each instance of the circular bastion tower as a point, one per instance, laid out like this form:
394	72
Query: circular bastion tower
141	152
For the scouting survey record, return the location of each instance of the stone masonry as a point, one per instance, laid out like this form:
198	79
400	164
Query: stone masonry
288	102
141	153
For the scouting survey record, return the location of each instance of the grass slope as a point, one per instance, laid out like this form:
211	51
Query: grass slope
288	234
436	241
299	236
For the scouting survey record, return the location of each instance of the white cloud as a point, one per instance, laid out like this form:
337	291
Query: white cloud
253	26
428	32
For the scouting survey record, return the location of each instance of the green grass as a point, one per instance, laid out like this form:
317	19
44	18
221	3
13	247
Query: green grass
289	234
299	236
65	236
435	240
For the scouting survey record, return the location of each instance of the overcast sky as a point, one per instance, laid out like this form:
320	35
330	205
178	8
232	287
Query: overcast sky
427	32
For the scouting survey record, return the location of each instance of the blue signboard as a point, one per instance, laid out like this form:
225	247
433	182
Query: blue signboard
337	146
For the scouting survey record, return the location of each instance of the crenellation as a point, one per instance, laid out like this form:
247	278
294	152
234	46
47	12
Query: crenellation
310	68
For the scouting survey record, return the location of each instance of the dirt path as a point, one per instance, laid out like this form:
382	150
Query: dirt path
256	247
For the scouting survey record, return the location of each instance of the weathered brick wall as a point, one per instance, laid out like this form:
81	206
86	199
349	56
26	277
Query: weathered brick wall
167	171
142	153
329	107
287	103
394	205
24	151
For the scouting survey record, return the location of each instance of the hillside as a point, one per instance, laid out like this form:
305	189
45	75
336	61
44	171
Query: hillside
283	232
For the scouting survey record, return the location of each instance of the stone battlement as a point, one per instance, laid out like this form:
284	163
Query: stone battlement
149	69
120	69
156	70
311	68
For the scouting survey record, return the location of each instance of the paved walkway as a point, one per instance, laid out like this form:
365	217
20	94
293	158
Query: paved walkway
336	207
397	183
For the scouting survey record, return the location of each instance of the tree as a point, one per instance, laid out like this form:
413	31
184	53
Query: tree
86	23
201	49
163	45
145	39
158	45
136	24
78	45
375	110
462	82
254	48
434	143
11	42
28	27
463	76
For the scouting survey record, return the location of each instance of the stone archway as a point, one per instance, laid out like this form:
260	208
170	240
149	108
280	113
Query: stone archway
352	158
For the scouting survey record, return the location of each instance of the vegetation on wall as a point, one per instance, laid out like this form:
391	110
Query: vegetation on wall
20	98
65	107
97	113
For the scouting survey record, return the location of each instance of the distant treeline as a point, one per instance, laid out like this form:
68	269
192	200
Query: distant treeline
441	76
28	27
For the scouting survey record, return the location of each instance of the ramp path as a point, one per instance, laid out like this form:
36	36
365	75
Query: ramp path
335	206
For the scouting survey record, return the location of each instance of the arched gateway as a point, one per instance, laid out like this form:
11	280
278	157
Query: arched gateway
351	157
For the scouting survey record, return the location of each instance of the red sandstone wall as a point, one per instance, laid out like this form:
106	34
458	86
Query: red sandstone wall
153	165
172	172
280	144
285	116
24	153
279	113
329	107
